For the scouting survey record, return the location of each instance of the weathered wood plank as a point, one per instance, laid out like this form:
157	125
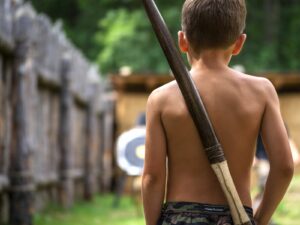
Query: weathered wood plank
21	202
6	26
65	164
46	124
48	107
76	174
45	180
21	179
4	182
6	115
108	154
101	150
2	115
95	153
88	167
3	208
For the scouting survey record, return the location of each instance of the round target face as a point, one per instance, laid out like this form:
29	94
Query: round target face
131	151
140	152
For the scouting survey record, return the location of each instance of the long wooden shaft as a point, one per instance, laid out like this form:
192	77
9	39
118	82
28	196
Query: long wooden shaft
198	113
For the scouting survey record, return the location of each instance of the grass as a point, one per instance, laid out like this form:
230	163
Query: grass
101	212
97	212
288	212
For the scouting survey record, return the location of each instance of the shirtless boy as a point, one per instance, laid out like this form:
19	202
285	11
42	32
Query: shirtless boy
176	169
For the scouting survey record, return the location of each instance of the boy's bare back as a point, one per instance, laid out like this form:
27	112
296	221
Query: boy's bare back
235	103
239	106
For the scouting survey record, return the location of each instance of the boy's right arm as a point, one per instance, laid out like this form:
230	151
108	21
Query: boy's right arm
276	143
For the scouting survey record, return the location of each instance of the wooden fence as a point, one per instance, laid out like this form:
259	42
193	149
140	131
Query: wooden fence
56	117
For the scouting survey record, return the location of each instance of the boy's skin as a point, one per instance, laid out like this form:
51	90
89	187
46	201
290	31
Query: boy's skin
239	106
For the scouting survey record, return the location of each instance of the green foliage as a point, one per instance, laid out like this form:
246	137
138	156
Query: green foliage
126	40
121	35
115	33
290	45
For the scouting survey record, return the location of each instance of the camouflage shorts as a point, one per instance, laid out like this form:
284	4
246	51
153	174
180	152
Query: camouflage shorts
186	213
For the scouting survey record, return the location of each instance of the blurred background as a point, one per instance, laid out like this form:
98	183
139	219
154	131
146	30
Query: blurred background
105	29
75	76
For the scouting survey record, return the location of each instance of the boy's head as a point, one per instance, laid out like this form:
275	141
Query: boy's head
213	24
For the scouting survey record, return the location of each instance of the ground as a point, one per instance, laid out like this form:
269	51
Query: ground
97	212
288	213
100	211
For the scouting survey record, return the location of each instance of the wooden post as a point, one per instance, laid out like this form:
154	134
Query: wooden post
6	33
2	117
21	182
91	173
88	171
66	187
101	132
5	134
20	170
108	154
101	152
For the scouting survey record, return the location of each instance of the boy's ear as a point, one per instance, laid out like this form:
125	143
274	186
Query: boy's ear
182	42
238	45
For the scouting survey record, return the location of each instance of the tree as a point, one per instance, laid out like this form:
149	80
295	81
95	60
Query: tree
115	33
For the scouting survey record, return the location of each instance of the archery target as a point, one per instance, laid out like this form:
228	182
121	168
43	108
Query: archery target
131	151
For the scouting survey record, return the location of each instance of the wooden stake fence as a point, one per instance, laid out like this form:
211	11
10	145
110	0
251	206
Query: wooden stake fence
56	122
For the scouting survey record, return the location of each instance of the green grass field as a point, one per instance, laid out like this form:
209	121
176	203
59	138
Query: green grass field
101	212
288	213
97	212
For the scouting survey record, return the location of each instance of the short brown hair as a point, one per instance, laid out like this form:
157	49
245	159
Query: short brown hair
213	23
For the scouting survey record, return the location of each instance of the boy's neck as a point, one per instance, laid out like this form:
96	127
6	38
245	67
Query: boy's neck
214	60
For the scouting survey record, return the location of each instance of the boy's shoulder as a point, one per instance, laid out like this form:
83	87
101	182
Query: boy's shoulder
259	84
163	96
164	92
257	80
260	88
